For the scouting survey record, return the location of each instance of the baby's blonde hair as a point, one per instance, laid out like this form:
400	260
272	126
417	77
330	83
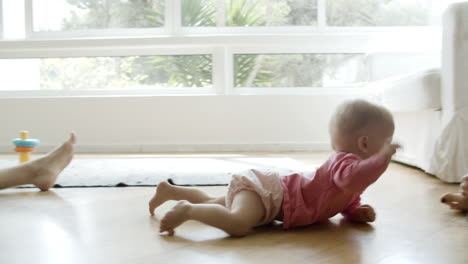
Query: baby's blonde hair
354	116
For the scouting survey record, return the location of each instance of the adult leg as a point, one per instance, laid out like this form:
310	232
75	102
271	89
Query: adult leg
42	172
247	210
17	175
166	192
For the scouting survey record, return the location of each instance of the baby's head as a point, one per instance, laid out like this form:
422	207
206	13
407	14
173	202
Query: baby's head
360	127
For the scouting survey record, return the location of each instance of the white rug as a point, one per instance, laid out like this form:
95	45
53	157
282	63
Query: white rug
150	171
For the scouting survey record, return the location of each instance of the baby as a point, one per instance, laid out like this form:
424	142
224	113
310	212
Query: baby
361	135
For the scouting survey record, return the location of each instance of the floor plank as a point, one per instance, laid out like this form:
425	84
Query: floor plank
111	225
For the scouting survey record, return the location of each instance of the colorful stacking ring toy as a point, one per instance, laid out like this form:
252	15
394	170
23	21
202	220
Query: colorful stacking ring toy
25	146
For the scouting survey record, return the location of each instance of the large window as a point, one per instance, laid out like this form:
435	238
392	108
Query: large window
203	46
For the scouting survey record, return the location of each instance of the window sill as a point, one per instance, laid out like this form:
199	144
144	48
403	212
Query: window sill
353	41
188	92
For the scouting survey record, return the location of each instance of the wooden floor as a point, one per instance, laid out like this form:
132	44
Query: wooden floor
112	225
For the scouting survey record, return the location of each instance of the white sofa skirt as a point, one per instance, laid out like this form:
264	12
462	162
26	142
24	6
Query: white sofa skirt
430	141
450	157
416	132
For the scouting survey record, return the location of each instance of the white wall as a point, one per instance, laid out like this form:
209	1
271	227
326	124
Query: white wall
173	123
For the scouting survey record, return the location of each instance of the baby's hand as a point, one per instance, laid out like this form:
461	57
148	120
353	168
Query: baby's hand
363	214
389	148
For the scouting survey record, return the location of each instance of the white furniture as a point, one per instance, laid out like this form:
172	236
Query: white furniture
431	106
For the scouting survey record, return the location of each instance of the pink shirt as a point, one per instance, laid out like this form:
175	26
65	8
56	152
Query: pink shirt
333	188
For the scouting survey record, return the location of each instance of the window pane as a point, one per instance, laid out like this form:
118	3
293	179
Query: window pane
379	12
135	72
209	13
62	15
14	72
298	70
13	19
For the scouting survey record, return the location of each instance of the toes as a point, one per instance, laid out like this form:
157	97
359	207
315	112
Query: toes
152	205
72	139
164	227
170	232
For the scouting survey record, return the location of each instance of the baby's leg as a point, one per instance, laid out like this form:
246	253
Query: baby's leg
246	212
166	192
42	172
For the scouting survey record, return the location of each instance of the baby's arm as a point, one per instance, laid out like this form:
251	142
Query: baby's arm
355	175
359	213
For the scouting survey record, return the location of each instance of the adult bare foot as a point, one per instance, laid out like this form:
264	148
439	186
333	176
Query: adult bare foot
161	195
458	201
51	165
175	217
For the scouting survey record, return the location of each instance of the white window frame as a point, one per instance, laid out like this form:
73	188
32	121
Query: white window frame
221	43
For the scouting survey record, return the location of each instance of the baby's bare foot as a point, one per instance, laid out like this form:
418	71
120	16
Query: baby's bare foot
50	166
162	195
175	217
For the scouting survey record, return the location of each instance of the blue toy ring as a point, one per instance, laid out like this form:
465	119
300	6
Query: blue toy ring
26	142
